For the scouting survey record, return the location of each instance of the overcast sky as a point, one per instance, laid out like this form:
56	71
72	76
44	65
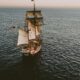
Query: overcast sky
41	3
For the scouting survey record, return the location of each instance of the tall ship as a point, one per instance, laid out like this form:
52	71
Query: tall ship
29	37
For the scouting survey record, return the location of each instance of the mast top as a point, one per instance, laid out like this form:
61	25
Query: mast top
33	4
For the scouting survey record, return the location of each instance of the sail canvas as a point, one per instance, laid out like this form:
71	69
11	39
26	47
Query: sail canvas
22	38
37	31
31	33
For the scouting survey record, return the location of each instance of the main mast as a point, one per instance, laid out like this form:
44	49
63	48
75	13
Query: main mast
34	17
33	20
34	5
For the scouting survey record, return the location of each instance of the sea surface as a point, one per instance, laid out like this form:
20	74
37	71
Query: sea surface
59	58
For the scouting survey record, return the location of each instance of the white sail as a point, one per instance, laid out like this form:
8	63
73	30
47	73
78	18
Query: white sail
22	38
31	31
31	34
37	31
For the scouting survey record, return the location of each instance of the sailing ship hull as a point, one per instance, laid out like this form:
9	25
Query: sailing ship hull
27	52
29	39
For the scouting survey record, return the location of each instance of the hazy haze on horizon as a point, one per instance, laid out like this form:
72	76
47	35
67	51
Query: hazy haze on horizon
41	3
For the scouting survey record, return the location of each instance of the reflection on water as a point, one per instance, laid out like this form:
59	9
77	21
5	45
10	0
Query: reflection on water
25	69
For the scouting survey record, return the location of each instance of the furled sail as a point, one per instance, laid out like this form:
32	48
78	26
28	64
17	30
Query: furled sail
35	15
22	38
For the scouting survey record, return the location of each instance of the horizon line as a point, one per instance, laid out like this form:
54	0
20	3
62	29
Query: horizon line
36	7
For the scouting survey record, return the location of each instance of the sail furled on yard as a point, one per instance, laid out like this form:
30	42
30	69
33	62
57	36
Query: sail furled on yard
35	15
22	38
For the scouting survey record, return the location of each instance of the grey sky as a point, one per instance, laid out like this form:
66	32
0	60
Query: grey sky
41	3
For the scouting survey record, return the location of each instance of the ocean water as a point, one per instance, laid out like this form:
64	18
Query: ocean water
59	58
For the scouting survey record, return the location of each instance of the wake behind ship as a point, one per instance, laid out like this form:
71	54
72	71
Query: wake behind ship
29	38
